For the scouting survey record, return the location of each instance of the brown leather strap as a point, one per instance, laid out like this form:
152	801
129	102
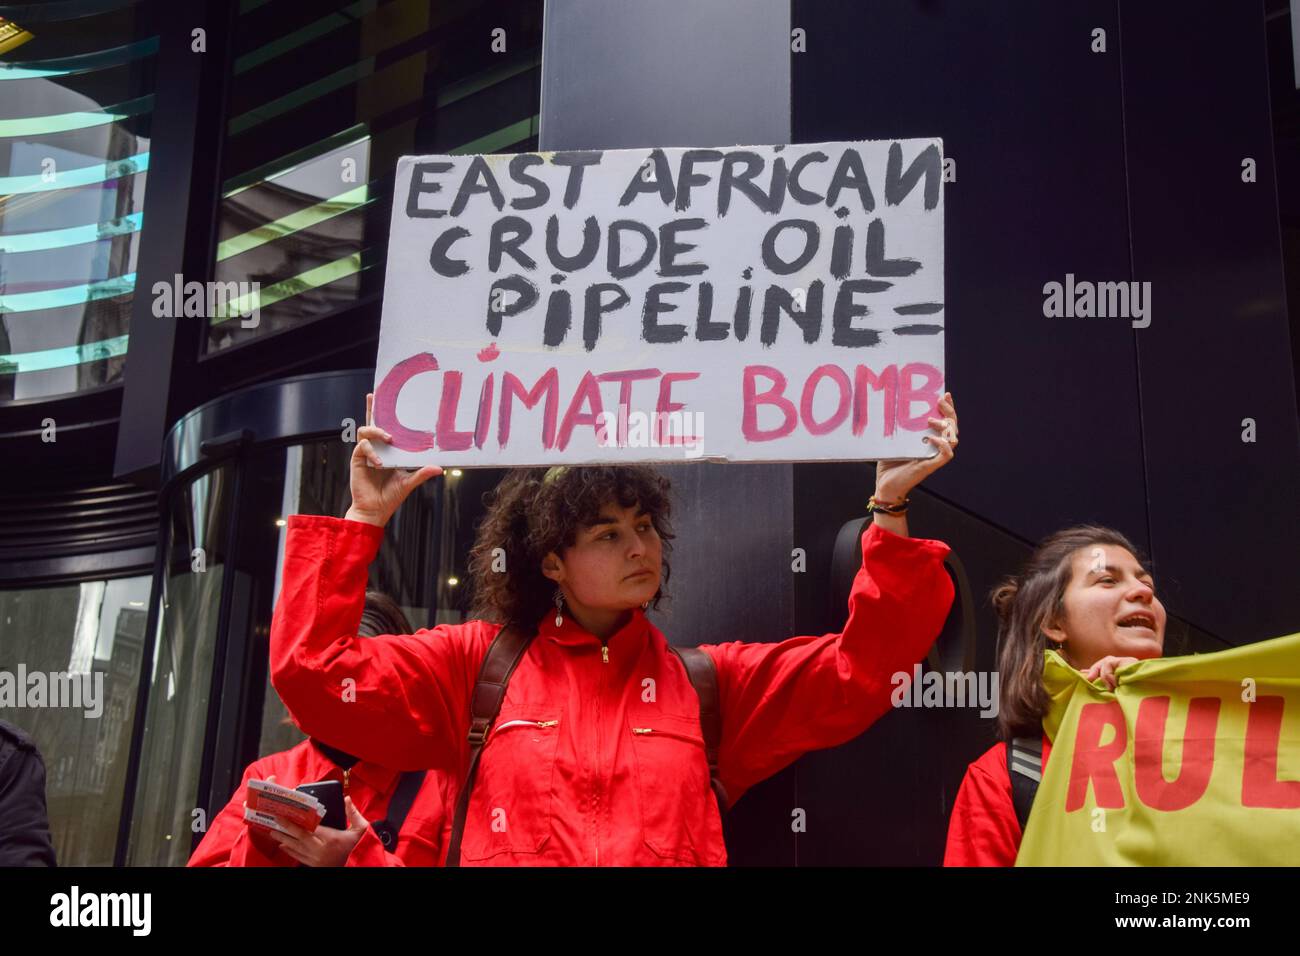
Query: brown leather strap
502	657
704	678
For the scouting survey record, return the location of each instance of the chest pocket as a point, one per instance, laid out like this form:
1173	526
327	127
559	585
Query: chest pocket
679	815
510	807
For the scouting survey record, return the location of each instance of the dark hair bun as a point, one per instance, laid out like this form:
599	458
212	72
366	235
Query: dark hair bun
1004	598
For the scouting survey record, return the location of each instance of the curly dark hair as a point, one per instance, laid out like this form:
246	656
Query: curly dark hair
534	511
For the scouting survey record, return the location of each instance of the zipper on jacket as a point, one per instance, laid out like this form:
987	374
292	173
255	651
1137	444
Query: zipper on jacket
533	723
668	733
604	653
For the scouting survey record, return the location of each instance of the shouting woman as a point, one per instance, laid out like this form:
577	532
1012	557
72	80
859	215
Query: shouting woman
1084	594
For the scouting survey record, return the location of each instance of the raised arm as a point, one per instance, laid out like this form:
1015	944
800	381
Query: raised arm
781	700
401	701
806	693
398	700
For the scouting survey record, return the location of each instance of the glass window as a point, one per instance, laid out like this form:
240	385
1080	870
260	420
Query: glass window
180	680
324	98
86	640
420	565
75	108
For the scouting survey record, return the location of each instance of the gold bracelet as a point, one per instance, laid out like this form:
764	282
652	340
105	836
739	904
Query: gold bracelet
895	508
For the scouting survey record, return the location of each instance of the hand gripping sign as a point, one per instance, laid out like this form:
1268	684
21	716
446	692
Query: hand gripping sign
1190	761
760	303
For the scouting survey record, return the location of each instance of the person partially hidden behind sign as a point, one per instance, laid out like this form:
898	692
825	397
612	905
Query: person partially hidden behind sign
605	747
1084	594
406	811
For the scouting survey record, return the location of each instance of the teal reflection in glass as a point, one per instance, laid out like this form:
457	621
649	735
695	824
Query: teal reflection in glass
82	63
79	119
73	236
68	295
62	357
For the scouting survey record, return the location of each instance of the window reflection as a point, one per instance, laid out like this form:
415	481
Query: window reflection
94	632
75	109
180	680
322	104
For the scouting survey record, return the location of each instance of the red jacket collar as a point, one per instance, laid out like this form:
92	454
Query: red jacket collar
629	638
377	778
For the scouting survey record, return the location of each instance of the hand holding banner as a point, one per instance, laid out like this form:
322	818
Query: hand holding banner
1190	761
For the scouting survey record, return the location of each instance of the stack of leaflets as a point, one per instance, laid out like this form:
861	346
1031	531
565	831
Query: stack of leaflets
270	805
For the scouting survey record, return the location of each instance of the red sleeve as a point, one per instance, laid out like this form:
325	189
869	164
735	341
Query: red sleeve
228	841
401	701
781	700
983	829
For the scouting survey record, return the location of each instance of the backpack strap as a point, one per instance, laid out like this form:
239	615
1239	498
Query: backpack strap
1025	766
704	678
502	657
399	805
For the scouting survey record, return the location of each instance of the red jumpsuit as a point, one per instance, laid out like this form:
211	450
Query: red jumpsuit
232	842
984	829
596	756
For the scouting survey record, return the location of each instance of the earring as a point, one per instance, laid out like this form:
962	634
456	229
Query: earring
644	605
559	603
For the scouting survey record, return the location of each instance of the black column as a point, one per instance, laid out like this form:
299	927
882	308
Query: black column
619	75
161	380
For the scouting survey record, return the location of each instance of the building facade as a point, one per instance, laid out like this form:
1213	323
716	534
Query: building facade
157	441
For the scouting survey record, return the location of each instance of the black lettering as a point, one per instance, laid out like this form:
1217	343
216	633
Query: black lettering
846	310
577	161
670	249
594	309
651	330
520	229
471	186
584	256
898	184
518	172
419	185
778	266
613	258
497	309
442	264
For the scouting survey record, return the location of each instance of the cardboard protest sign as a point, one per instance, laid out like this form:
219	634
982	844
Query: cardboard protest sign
1190	761
762	303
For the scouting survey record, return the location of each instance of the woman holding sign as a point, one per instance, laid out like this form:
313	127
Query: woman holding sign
1085	595
604	744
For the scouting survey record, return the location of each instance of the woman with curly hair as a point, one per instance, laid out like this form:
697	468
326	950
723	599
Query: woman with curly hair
597	755
1085	594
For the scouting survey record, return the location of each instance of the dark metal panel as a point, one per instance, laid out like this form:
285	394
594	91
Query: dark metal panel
161	375
618	74
1032	119
1224	512
280	410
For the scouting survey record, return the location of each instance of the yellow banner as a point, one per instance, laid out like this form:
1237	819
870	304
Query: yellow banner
1190	761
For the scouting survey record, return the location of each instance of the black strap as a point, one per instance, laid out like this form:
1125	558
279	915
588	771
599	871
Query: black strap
340	757
502	657
399	805
1025	766
704	678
